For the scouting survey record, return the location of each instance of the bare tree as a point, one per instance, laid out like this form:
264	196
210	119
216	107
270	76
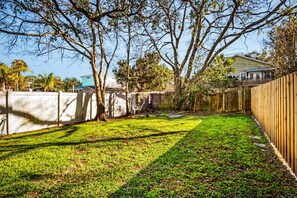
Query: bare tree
79	27
184	31
130	37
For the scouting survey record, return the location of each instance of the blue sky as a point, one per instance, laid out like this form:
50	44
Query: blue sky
76	68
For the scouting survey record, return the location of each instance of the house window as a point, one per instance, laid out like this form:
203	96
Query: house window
243	76
257	76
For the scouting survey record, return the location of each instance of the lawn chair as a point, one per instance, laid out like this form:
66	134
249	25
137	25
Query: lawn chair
138	108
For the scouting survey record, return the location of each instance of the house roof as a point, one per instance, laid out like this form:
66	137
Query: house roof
86	76
110	82
255	60
91	89
259	69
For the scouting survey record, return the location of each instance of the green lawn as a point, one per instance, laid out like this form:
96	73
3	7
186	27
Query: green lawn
145	157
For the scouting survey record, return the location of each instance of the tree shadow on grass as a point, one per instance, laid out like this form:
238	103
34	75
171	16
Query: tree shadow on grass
7	151
207	164
28	176
15	149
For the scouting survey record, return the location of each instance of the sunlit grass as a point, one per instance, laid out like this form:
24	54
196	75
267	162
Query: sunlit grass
146	157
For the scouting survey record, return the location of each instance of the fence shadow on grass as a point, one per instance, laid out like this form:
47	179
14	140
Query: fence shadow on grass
208	164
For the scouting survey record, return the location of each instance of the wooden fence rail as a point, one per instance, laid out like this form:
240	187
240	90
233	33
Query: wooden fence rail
274	105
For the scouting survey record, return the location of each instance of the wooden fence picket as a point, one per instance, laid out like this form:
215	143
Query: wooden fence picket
274	105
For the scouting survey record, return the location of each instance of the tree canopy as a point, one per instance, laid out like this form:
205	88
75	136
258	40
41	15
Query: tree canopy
283	47
182	31
179	31
79	28
51	82
146	75
11	77
216	76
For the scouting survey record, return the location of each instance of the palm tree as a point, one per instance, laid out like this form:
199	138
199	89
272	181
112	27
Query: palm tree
16	68
70	83
47	82
3	75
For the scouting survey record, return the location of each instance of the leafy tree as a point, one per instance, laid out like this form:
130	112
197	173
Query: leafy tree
182	31
3	75
15	70
59	84
32	82
46	81
146	75
214	77
84	29
69	83
130	37
283	46
265	56
11	77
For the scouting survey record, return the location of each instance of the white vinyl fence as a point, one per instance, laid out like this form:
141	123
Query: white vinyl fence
27	111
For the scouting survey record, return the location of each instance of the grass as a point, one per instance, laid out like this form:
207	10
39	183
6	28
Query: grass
146	157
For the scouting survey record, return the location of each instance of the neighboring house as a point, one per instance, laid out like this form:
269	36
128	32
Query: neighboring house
88	81
115	99
249	68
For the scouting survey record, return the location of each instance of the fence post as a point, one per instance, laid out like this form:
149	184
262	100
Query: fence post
240	100
59	106
9	114
224	107
244	101
91	102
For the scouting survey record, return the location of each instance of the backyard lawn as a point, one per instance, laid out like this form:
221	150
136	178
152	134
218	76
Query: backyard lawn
144	157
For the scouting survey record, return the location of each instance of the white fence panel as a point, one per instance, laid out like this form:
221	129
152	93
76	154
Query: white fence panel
29	111
33	110
71	107
2	113
115	104
119	106
94	106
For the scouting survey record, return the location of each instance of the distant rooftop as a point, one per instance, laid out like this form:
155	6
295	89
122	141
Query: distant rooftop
110	82
254	59
259	69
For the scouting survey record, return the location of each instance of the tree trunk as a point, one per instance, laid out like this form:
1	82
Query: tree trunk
127	99
128	69
99	91
177	89
100	111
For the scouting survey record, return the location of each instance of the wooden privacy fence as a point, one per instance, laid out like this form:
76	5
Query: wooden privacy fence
233	100
153	100
164	101
274	105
